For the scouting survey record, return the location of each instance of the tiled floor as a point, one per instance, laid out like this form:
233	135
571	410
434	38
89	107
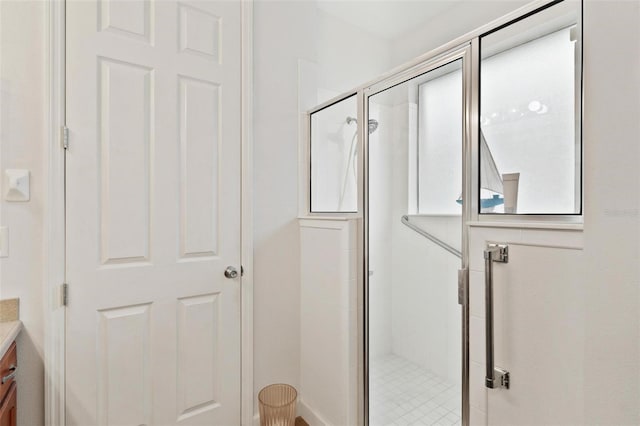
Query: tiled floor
403	394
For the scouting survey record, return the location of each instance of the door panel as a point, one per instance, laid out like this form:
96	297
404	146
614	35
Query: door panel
414	223
124	107
123	361
198	341
199	120
539	337
153	108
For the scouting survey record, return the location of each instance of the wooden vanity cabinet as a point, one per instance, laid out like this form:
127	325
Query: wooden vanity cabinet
8	387
9	409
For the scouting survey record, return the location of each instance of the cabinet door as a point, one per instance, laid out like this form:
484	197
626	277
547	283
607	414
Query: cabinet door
9	408
8	363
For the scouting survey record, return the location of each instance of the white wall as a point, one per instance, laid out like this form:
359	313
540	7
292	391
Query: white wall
466	16
279	41
612	211
23	111
347	56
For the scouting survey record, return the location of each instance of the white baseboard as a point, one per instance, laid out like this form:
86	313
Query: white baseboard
310	416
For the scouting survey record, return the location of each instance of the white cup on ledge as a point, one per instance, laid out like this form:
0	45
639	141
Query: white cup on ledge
510	182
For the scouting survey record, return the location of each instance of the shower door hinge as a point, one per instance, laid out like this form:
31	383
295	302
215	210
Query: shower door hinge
65	137
64	294
463	286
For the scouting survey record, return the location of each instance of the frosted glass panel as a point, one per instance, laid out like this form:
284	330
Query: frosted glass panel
440	142
334	147
529	115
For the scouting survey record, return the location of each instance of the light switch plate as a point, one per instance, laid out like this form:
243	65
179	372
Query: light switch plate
16	185
4	241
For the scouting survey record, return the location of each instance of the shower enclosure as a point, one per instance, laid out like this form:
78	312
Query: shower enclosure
447	150
411	145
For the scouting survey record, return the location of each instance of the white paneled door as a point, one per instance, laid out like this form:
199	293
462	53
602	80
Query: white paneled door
153	212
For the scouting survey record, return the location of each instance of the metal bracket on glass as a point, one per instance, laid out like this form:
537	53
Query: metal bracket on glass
498	252
500	379
495	377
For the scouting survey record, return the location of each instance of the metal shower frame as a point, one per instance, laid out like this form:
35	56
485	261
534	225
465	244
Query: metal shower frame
467	49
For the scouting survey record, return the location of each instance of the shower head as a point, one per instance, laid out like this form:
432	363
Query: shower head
373	123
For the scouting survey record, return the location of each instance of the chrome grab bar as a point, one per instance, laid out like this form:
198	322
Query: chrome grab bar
447	247
495	377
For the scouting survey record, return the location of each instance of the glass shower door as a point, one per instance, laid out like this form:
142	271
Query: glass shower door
414	350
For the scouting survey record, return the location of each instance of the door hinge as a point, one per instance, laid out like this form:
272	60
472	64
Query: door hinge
64	294
463	286
65	137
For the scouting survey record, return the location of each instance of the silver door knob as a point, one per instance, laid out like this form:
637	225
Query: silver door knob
230	272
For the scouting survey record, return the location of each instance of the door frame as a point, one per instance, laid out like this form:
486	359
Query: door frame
54	216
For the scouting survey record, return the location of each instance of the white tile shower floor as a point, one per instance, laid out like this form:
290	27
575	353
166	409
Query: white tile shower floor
402	393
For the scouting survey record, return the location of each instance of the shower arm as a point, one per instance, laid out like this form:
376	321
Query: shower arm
437	241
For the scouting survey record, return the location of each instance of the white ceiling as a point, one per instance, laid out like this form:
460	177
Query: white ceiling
388	19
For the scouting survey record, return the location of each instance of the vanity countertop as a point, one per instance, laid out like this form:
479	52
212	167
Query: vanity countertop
8	332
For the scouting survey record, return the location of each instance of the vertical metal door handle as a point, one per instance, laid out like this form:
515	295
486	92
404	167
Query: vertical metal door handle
495	377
